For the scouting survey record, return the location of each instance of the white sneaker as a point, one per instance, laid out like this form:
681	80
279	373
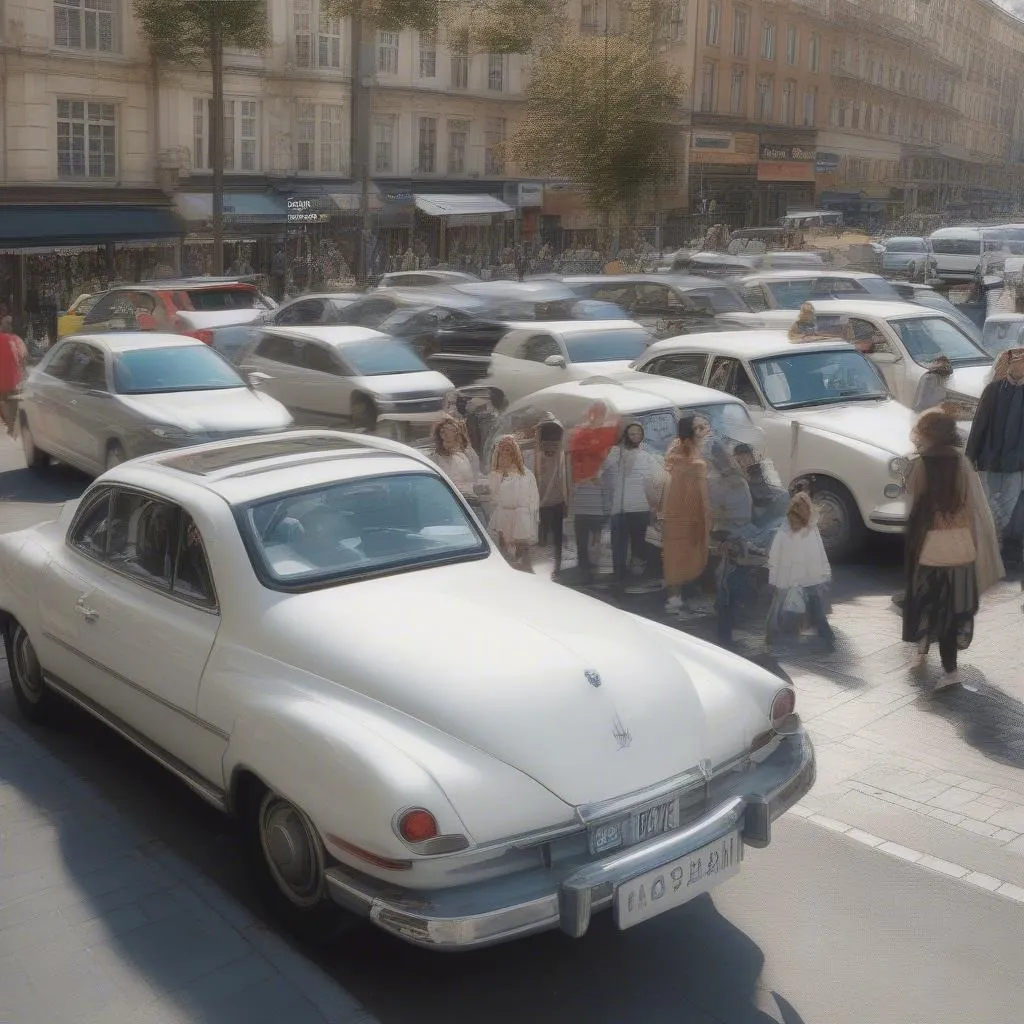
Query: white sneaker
674	604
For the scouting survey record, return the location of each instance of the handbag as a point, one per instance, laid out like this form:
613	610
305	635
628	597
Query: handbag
948	548
654	534
794	603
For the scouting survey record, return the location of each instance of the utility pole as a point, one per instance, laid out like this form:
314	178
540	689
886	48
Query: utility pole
362	63
217	138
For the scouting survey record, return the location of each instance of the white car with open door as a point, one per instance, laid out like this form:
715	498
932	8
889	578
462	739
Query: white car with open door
535	355
313	631
828	420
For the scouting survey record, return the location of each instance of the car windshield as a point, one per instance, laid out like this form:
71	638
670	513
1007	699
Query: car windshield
370	525
879	288
721	300
825	377
381	358
905	245
1001	335
791	294
606	346
154	371
932	300
209	300
928	337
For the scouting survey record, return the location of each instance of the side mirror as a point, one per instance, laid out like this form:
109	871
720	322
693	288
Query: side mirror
556	361
256	379
884	358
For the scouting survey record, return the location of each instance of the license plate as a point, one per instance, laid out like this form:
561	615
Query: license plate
673	884
663	817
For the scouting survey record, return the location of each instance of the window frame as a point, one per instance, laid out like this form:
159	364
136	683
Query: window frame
388	52
767	39
83	11
462	164
792	46
426	143
497	72
713	26
656	365
740	40
738	366
88	128
427	53
390	123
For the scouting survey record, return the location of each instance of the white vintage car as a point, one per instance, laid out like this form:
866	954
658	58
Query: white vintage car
313	632
829	422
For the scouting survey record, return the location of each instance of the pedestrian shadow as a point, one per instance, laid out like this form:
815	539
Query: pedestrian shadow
987	717
57	484
691	964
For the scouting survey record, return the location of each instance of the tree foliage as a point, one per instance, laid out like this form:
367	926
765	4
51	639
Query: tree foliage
603	112
181	30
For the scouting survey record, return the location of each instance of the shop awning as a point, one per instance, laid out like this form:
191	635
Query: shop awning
253	207
460	206
34	227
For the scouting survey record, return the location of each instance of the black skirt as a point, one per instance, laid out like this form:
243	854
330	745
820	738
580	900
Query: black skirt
939	601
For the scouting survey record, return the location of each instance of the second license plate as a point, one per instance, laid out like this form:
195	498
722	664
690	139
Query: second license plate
653	821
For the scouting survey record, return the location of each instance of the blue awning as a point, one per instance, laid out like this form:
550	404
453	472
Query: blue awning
250	207
33	227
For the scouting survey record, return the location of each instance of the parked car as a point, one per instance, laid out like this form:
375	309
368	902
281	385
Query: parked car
227	331
315	634
312	309
908	255
95	401
532	356
903	339
925	295
154	305
827	416
425	279
958	253
70	321
790	289
1003	331
666	305
333	374
714	264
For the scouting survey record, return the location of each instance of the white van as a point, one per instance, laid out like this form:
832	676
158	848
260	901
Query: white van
957	252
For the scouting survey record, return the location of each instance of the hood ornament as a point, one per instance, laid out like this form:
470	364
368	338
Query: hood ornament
623	737
593	678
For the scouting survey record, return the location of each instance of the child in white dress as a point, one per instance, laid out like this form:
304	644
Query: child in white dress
515	503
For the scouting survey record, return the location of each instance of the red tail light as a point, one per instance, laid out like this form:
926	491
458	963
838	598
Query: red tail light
417	826
206	337
783	705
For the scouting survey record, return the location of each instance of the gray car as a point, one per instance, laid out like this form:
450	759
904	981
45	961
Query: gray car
95	401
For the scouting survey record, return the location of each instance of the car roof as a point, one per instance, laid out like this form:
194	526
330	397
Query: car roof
324	295
249	468
747	344
186	284
871	307
687	281
803	273
631	392
952	232
127	341
1003	317
336	335
568	327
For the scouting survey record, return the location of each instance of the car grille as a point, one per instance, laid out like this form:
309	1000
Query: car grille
418	401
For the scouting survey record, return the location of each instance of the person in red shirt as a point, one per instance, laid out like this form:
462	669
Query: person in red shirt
13	357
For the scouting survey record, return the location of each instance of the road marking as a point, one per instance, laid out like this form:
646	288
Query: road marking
1002	888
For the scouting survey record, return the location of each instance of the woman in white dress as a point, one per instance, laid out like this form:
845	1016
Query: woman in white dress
515	503
451	457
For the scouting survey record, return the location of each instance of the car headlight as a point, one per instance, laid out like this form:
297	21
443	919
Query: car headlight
168	433
964	407
899	467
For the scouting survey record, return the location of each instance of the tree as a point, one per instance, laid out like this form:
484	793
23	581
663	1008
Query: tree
195	32
603	112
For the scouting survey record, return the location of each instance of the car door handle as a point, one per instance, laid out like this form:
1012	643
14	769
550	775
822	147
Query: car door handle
74	401
87	613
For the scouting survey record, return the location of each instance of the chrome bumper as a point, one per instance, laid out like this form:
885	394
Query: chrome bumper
514	906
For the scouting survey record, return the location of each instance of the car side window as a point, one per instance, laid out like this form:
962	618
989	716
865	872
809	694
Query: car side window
89	530
540	347
753	296
88	368
371	313
867	337
107	307
621	294
688	366
59	364
316	357
192	578
308	311
278	350
143	535
729	375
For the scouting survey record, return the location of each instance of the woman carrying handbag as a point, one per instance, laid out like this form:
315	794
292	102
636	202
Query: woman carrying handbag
952	554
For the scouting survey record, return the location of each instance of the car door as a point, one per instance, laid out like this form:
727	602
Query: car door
114	312
368	313
279	359
326	386
302	311
134	607
90	417
535	372
45	398
873	341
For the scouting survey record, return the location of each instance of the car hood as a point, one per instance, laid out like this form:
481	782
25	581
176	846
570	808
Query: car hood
886	425
398	384
194	320
208	411
970	380
580	371
504	662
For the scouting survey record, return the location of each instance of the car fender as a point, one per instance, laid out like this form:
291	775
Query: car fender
23	561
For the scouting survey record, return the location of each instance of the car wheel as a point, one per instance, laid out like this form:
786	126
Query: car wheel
839	521
364	413
35	458
115	455
34	697
288	859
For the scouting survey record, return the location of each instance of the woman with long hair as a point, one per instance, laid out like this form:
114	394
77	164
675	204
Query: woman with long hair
515	503
685	515
952	555
450	454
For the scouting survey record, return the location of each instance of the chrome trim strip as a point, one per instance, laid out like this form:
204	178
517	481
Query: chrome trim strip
124	680
202	787
590	814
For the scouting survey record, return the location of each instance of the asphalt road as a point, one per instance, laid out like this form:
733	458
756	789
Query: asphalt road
817	928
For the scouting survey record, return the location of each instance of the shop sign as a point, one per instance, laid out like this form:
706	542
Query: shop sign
718	142
786	154
784	170
826	163
723	148
306	211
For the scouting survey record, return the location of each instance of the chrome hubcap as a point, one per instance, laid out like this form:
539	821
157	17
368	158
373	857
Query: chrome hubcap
292	851
832	522
26	665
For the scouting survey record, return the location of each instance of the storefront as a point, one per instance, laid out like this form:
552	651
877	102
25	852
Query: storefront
461	224
723	177
785	179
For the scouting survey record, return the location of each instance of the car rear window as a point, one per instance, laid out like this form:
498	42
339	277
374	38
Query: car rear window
210	300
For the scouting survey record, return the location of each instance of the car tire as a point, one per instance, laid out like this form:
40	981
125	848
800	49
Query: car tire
839	521
364	413
288	861
115	455
35	458
34	698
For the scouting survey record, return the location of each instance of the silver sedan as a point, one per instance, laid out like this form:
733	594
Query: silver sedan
95	401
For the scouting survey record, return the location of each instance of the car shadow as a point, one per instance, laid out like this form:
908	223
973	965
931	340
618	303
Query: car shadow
986	717
57	483
690	965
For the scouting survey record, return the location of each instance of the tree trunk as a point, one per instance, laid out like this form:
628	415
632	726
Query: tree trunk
217	140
